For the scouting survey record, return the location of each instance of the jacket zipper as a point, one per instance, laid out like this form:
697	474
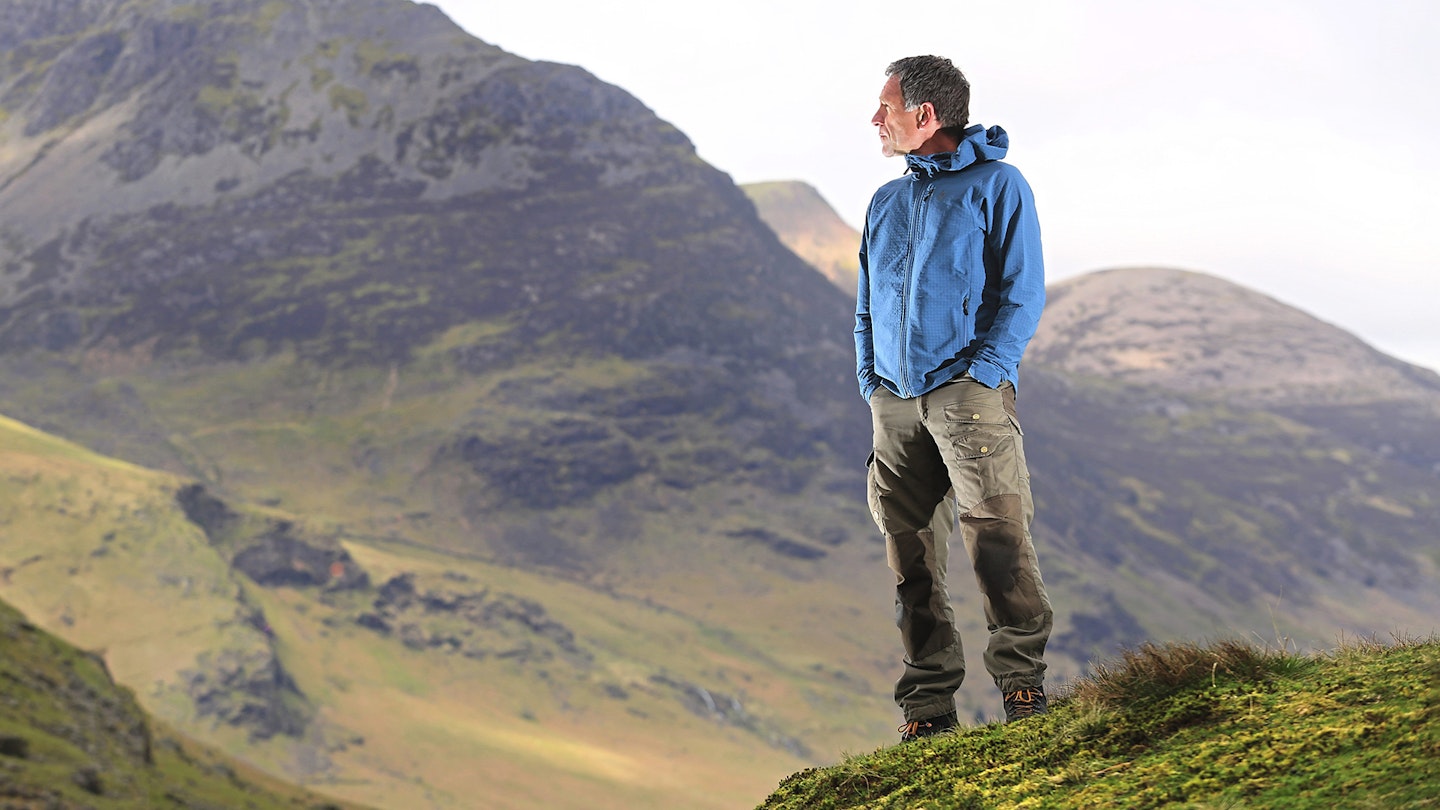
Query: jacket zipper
917	214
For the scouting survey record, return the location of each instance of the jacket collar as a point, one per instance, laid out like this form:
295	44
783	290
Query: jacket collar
977	145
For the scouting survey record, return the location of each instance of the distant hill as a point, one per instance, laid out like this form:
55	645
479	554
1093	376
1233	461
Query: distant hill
1221	447
1192	332
810	227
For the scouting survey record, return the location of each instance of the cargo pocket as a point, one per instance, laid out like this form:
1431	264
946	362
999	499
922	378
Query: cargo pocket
983	462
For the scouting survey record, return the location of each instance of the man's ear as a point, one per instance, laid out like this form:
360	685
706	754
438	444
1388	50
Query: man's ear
925	115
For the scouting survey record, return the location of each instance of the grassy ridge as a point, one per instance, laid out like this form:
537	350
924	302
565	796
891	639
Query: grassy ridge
1180	725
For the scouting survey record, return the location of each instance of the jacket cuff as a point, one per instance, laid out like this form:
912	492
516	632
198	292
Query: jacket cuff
987	373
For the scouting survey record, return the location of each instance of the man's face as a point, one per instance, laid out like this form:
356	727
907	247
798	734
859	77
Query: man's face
900	130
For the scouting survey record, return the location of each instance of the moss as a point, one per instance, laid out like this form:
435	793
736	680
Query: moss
328	49
462	336
25	68
377	60
216	100
269	14
1146	497
319	77
1352	728
352	100
190	12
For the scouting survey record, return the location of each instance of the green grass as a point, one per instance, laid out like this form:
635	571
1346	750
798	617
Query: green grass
1180	725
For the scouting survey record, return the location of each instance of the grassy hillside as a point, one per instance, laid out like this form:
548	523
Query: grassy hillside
71	738
424	677
1180	725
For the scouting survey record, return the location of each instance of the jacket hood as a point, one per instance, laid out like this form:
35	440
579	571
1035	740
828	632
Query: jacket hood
977	145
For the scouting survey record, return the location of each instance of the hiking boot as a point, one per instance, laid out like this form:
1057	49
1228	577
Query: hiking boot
1024	703
915	729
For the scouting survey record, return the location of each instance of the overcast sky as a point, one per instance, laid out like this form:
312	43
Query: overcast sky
1287	146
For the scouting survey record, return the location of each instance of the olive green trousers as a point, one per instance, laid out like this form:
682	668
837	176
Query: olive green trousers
956	455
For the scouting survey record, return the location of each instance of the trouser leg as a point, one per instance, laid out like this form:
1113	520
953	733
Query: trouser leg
907	487
979	437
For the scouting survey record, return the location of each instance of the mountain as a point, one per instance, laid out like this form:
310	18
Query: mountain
810	227
148	143
355	292
1196	333
71	737
1200	446
458	433
410	228
1193	333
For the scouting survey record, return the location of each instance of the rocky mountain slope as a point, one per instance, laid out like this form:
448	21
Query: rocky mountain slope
810	227
1214	444
461	433
1193	333
462	223
373	182
369	283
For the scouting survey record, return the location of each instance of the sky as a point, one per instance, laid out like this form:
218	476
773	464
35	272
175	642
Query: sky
1285	146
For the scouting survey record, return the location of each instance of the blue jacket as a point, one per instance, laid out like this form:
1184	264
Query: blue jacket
951	273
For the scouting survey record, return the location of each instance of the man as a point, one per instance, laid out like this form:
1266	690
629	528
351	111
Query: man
950	292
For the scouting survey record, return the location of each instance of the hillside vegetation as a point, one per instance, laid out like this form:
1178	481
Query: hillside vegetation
71	738
1180	725
373	671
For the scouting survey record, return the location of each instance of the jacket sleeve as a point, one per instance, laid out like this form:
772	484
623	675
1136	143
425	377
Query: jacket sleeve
864	341
1015	270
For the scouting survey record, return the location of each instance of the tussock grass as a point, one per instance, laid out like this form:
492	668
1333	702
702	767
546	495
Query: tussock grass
1153	671
1219	725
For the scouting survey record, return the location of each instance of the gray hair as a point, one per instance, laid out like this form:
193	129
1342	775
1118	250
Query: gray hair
934	79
